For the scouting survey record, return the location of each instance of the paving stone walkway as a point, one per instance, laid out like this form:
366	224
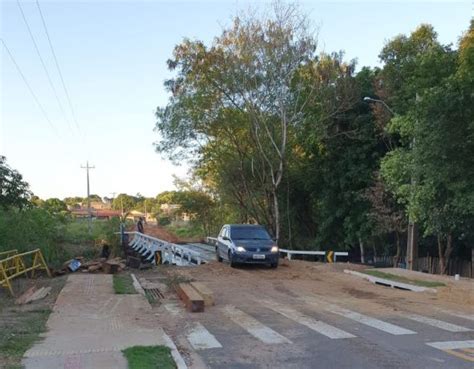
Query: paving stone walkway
90	325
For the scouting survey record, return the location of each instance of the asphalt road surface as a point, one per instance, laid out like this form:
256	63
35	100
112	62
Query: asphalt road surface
312	316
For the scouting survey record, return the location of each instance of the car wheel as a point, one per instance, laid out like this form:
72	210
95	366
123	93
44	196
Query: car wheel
231	260
274	265
218	256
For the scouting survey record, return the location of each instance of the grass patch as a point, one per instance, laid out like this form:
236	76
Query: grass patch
189	231
397	278
123	284
149	357
19	333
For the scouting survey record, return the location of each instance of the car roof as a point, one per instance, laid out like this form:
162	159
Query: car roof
245	225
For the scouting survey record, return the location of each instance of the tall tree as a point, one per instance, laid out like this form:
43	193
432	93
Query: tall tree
435	131
14	191
250	68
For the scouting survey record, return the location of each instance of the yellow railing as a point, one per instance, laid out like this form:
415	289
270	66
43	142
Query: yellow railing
18	264
6	254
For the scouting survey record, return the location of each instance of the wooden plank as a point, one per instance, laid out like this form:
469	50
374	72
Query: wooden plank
192	300
205	293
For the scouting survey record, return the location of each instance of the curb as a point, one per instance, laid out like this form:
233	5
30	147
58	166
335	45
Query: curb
174	352
137	285
390	283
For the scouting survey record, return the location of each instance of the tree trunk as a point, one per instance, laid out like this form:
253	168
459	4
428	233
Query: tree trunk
396	258
448	252
361	245
442	261
276	214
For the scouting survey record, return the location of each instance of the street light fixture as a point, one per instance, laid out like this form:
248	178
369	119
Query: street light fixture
412	232
370	99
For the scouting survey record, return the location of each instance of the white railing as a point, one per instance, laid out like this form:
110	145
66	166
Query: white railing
211	241
320	253
147	246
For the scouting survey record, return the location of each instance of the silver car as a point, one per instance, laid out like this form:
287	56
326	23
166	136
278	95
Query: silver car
246	243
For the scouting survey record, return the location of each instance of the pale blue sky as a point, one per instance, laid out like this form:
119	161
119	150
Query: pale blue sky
113	58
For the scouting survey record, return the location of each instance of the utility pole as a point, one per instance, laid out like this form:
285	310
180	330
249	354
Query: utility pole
89	210
145	211
412	237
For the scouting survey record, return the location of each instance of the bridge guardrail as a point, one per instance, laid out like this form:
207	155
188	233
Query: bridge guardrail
147	246
18	264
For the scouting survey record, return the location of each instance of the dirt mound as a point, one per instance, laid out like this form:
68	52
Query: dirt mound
160	232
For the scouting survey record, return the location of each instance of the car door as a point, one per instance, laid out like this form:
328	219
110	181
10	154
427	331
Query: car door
222	248
226	243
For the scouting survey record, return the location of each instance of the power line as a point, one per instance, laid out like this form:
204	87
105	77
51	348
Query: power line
43	63
57	66
29	87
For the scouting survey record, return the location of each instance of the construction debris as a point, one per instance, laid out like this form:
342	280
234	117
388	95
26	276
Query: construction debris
103	265
191	298
33	294
205	293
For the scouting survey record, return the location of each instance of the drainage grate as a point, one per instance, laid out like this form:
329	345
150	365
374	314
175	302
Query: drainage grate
153	294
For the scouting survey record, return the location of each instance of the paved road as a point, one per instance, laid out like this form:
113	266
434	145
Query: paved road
90	325
253	327
300	336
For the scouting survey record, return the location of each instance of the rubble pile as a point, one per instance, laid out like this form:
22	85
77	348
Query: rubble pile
100	265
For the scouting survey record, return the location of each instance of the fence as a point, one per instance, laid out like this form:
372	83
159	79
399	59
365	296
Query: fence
19	264
430	264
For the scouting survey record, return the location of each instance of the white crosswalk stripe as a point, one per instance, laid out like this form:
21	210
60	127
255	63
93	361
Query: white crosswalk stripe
369	321
316	325
200	338
437	323
360	318
254	327
452	345
457	314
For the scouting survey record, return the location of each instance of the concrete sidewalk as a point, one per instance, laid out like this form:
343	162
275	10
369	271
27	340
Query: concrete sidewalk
90	325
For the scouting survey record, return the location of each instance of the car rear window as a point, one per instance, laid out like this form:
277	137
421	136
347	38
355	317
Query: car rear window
249	233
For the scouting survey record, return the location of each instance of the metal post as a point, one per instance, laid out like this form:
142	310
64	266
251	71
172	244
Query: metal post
412	234
89	210
412	245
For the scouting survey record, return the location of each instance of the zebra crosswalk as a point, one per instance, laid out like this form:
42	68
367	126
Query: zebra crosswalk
437	323
316	325
201	338
254	327
371	322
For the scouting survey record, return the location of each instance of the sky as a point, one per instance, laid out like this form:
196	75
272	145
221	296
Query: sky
112	55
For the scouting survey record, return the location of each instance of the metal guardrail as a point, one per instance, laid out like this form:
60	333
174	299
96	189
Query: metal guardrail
213	241
147	246
320	253
18	264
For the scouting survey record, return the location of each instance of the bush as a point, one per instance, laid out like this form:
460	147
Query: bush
58	236
164	221
30	229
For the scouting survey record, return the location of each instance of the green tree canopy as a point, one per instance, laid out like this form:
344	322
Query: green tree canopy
14	191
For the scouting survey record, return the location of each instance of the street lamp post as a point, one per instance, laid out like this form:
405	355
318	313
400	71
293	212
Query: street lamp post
412	231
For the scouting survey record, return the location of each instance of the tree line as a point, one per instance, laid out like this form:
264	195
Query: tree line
324	153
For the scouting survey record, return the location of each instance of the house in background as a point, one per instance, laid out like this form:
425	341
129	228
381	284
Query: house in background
97	214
